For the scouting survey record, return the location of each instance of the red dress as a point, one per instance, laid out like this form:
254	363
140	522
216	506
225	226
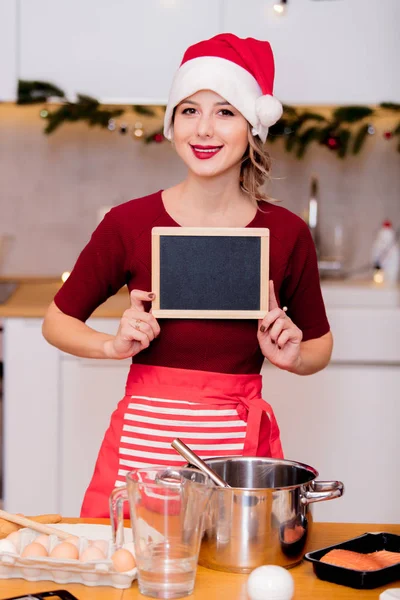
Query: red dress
200	378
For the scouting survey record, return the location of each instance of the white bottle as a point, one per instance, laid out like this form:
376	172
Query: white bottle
386	253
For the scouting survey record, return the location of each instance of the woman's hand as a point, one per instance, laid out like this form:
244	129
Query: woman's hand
137	328
278	336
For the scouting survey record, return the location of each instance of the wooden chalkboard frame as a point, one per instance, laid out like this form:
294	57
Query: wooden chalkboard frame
262	233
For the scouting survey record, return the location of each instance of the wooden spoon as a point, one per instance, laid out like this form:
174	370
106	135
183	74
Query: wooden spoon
40	527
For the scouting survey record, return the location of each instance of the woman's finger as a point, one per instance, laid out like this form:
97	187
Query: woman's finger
270	318
138	297
148	318
129	333
277	328
272	301
283	338
142	327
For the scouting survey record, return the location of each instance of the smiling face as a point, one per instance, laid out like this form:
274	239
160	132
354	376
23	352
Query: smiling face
210	135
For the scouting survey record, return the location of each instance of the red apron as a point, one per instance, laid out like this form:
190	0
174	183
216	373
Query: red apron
216	414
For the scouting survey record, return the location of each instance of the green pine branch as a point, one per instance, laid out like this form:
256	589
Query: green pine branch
35	92
297	128
360	138
390	106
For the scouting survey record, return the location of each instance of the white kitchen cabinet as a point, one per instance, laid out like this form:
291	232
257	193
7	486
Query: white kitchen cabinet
56	410
344	421
121	51
326	52
89	394
31	419
8	50
127	52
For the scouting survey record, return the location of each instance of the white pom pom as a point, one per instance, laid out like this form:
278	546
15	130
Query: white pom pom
268	110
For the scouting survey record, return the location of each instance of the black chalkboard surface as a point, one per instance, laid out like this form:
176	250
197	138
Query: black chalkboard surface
210	272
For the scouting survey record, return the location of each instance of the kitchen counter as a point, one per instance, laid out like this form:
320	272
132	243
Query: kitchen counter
33	295
215	585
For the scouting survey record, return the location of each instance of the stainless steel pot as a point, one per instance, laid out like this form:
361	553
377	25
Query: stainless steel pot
265	516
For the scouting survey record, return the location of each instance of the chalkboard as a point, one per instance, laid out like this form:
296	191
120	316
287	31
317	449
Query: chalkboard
210	272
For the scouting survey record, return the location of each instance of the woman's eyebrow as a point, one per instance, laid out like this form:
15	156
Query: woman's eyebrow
222	103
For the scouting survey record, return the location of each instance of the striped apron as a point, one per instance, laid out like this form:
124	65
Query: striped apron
215	414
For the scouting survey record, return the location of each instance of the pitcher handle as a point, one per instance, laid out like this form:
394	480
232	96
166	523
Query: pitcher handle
322	490
117	499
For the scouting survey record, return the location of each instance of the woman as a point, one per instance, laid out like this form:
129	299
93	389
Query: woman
198	379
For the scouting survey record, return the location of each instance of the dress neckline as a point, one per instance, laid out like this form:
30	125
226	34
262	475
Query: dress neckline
252	223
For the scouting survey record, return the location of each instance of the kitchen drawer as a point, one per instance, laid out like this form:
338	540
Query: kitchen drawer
365	335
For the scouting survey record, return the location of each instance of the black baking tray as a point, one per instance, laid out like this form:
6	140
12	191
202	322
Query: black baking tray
368	542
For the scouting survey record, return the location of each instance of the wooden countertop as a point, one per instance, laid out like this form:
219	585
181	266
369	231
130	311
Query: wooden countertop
215	585
32	297
34	294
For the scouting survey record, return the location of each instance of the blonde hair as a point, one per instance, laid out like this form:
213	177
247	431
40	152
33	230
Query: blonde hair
255	169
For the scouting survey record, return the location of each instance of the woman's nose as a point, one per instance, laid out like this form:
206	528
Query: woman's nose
205	127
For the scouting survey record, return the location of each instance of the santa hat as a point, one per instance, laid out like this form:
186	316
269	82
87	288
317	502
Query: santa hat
239	70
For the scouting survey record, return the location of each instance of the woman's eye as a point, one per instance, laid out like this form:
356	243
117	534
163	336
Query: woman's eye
226	112
188	111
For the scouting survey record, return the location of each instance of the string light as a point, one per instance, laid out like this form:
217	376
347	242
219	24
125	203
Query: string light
378	275
138	129
280	7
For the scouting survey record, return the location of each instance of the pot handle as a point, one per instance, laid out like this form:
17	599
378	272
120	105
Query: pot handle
322	490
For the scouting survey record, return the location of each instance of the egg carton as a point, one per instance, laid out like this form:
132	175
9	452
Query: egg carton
91	573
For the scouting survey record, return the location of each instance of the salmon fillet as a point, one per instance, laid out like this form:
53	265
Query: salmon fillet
350	560
386	558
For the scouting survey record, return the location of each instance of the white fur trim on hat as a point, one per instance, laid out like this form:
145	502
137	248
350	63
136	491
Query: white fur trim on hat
231	81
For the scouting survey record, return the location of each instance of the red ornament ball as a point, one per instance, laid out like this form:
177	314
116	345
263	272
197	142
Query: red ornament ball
388	135
158	138
332	143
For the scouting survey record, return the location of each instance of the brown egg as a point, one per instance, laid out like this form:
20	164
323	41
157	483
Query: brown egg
65	550
102	545
123	560
44	540
73	539
33	549
92	553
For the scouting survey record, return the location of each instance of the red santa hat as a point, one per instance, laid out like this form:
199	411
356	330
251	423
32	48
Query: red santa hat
239	70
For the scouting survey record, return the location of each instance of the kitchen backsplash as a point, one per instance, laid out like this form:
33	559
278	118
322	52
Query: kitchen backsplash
52	188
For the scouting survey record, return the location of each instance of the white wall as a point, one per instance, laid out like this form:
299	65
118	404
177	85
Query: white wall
52	186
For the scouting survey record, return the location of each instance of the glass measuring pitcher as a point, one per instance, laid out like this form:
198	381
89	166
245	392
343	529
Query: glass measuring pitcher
167	508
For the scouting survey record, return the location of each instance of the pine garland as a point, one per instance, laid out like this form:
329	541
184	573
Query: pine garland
343	132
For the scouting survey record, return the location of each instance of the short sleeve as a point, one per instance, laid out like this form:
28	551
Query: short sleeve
301	290
98	273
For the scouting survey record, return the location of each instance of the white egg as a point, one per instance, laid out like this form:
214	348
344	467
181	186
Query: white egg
7	546
15	538
391	594
270	582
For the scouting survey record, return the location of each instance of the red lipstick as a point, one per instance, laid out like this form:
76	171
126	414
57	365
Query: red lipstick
204	152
